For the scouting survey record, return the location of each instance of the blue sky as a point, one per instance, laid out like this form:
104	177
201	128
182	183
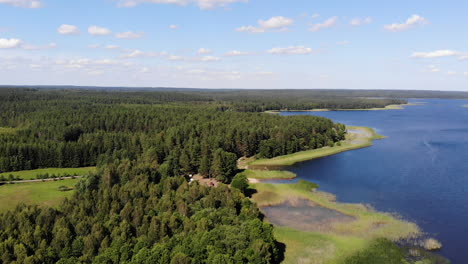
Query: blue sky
236	43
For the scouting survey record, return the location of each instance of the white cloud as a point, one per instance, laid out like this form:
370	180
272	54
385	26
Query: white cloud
316	15
234	53
145	70
111	47
277	23
94	46
68	30
210	58
98	31
452	73
138	54
204	51
250	29
292	50
173	27
35	47
435	54
95	72
411	22
129	35
175	58
202	4
360	21
433	68
10	43
466	73
331	22
133	54
23	3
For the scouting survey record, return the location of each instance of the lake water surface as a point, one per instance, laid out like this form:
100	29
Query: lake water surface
420	171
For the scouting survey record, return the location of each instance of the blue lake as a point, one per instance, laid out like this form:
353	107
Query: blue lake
420	171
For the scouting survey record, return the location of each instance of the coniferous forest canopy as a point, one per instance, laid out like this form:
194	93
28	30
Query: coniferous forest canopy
139	206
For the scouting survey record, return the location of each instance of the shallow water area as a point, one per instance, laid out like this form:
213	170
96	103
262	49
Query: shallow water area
304	215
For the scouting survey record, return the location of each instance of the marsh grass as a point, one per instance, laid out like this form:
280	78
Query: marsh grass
343	239
368	224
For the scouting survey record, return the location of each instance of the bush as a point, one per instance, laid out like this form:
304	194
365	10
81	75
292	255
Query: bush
240	182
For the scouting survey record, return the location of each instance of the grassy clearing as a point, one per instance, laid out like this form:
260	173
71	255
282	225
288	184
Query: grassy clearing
8	130
32	174
359	137
41	193
269	175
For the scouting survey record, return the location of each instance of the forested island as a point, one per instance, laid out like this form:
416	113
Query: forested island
139	205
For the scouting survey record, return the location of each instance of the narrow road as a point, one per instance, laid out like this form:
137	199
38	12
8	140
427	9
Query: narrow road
43	180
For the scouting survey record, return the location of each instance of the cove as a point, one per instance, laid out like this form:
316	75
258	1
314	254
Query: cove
420	171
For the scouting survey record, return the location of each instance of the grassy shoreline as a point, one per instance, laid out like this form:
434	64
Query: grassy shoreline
344	239
358	137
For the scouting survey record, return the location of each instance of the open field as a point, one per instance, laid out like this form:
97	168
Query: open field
32	174
358	137
42	193
340	241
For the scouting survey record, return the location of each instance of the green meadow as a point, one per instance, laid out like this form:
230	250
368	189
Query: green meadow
32	174
37	193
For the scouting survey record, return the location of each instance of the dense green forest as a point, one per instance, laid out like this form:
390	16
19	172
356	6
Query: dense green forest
127	214
184	133
139	207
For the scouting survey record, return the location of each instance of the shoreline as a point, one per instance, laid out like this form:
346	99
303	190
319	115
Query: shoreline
363	227
346	238
357	137
388	107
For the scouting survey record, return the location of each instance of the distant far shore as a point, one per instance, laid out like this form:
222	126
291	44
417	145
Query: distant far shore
388	107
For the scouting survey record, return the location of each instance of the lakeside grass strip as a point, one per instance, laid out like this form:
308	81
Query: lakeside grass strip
32	174
355	140
40	193
269	175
